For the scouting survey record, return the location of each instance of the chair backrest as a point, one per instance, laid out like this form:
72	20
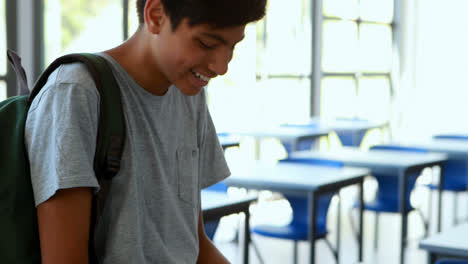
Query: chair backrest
300	205
455	173
300	208
388	186
304	144
352	138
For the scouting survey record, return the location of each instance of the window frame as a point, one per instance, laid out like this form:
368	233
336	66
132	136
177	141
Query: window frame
319	73
11	8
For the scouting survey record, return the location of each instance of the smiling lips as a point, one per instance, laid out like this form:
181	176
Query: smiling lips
201	77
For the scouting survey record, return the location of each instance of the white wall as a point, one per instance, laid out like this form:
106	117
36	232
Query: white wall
433	96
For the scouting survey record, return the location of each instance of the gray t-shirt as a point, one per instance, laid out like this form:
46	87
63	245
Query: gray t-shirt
171	152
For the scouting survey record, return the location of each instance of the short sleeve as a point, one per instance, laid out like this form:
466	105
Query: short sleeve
213	166
60	133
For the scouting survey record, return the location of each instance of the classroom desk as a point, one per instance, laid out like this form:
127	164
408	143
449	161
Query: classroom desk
387	162
455	149
299	179
216	205
228	141
451	243
290	137
350	131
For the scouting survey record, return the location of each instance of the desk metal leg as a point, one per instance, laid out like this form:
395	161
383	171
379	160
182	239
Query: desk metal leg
246	236
312	224
361	218
431	258
439	202
338	229
403	183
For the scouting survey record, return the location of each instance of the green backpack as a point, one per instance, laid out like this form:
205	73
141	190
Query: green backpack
19	242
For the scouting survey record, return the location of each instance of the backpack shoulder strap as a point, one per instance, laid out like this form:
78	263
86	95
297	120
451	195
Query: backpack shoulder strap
21	80
111	128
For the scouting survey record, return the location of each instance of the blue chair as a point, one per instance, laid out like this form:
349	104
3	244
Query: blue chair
387	198
304	144
452	261
211	226
352	138
297	230
455	180
455	175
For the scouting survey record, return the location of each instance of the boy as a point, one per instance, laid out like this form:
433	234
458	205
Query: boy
152	211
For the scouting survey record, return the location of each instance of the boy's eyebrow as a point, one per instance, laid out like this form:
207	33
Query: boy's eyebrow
219	38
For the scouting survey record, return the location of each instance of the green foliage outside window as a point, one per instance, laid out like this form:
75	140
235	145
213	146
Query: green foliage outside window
74	12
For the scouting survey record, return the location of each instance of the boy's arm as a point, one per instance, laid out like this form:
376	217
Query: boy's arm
208	252
64	225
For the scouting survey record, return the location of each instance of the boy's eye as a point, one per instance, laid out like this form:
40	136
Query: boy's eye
205	45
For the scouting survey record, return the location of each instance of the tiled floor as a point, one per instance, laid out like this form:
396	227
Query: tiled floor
280	251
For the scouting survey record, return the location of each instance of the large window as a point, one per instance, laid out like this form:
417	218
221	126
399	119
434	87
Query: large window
3	60
357	49
81	26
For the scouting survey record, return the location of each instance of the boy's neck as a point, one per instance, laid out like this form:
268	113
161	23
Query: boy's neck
135	57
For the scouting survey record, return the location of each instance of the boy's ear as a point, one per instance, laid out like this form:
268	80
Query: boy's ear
154	15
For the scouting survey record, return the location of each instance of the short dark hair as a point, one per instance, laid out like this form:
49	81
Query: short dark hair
218	13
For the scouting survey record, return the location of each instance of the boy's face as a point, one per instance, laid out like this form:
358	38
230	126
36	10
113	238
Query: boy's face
192	55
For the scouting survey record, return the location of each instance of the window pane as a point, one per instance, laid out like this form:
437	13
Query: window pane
374	98
288	42
346	9
338	98
266	103
3	91
283	101
377	10
3	60
79	26
340	46
375	47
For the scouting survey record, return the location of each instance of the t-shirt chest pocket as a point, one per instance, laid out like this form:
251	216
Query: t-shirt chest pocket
187	174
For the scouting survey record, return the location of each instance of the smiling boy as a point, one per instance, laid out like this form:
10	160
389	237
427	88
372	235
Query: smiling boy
152	210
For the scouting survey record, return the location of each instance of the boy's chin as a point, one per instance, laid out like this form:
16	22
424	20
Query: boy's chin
189	90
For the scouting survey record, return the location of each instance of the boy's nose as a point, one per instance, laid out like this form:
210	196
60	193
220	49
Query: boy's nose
219	63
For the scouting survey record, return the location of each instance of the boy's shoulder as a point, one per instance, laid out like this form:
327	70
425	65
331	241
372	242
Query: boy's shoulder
67	79
70	75
73	73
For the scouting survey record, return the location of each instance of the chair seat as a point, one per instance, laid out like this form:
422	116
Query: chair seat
291	231
389	206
